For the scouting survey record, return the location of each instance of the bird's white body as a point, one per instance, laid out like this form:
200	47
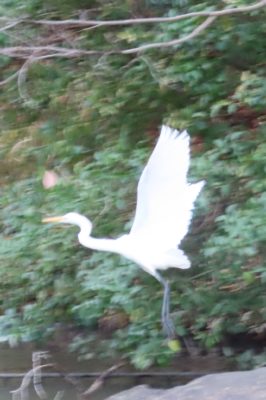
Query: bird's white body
143	253
165	202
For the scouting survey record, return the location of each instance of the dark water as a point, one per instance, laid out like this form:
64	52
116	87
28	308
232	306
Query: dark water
19	360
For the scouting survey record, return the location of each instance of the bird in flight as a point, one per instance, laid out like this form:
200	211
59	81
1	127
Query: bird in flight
165	201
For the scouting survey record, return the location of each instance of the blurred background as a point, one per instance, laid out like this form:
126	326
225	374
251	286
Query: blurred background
77	129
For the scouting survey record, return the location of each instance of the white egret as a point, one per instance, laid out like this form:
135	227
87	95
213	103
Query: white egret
165	202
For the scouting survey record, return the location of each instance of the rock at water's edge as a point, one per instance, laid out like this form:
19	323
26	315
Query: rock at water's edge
242	385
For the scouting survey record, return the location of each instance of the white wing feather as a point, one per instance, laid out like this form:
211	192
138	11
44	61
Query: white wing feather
165	199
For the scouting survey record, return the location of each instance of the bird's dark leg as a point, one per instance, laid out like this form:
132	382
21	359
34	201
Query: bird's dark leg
167	321
168	325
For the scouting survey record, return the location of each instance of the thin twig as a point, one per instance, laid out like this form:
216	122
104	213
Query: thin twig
150	68
10	25
22	76
59	395
99	381
9	79
26	51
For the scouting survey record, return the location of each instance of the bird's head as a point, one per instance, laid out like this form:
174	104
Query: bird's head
71	218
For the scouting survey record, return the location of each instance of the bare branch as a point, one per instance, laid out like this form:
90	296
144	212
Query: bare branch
9	26
99	23
45	52
174	42
22	391
37	357
59	395
99	381
25	52
35	53
9	79
22	75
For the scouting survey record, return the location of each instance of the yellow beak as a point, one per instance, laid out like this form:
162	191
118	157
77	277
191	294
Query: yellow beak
52	219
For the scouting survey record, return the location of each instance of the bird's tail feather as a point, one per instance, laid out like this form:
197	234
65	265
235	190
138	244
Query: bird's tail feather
195	189
175	258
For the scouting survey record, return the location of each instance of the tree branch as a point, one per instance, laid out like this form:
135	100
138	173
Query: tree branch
100	23
42	52
22	391
10	25
9	79
174	42
36	53
99	381
31	51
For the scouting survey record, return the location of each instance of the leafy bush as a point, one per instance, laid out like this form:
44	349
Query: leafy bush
94	123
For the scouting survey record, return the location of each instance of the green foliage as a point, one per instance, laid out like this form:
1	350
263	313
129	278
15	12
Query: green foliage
249	359
94	122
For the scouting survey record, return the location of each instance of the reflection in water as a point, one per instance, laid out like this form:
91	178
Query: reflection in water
53	386
19	360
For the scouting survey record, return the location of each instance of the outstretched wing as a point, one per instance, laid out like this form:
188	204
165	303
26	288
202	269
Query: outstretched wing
165	199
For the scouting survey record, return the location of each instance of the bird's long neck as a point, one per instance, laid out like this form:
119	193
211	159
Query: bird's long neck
100	244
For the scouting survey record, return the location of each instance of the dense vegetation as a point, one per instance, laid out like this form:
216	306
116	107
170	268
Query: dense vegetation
93	121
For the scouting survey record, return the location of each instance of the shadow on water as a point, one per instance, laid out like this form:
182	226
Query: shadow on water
18	360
